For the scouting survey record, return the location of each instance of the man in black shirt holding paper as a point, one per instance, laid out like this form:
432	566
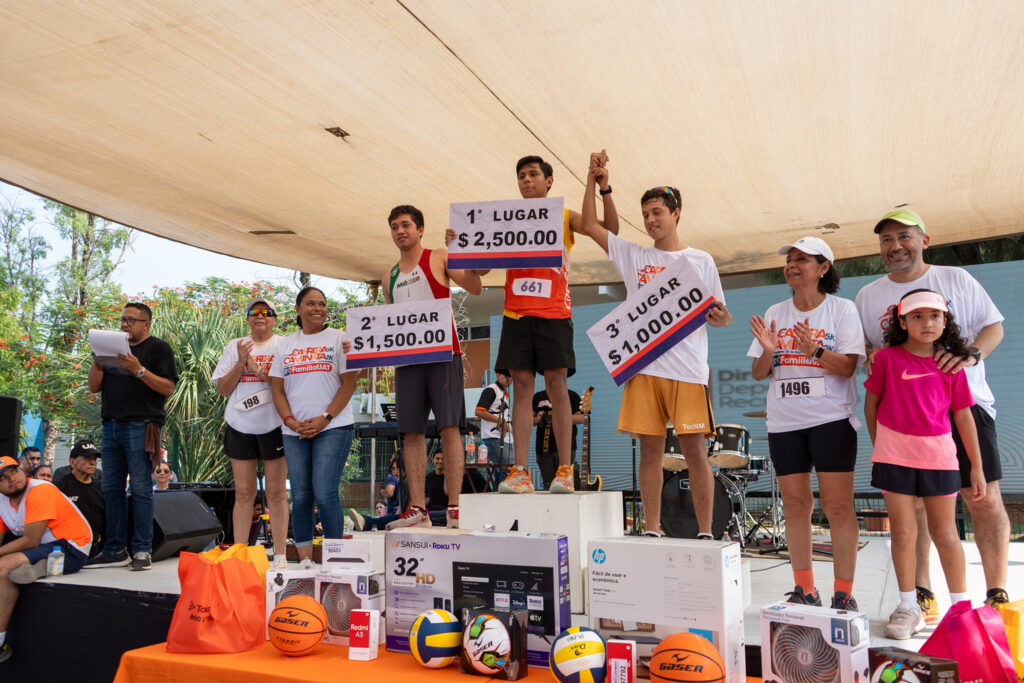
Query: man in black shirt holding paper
133	394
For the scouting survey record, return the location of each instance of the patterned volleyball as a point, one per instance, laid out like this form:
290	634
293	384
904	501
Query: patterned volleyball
578	656
487	644
435	638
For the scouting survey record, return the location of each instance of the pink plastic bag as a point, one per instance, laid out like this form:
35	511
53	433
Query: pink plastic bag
976	639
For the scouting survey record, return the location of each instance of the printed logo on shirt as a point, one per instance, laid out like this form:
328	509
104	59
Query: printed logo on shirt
787	353
309	359
408	283
264	361
647	273
906	376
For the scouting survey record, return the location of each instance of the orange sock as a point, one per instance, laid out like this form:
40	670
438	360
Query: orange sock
805	579
842	586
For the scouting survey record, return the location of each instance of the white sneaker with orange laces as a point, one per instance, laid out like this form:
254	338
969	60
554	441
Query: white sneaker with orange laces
562	483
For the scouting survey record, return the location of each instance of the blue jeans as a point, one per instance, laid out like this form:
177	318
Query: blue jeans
314	470
124	455
379	522
507	457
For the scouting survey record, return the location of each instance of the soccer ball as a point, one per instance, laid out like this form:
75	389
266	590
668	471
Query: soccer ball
486	644
434	638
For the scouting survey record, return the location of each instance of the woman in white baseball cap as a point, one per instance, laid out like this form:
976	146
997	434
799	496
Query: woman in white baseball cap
808	347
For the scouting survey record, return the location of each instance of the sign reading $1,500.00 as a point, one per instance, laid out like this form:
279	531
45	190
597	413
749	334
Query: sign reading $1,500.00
512	233
662	313
400	334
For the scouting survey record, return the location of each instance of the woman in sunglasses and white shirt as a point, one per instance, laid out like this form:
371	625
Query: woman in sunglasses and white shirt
253	425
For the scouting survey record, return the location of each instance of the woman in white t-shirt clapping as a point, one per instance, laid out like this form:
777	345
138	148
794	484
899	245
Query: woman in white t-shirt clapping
312	388
253	430
809	346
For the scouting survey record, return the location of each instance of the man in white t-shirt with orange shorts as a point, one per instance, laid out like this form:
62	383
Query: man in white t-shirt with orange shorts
673	387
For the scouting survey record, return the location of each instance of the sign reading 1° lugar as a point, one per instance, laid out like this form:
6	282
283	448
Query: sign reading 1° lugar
662	313
399	334
512	233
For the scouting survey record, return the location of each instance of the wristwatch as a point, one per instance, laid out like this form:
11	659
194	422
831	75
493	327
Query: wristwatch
818	352
327	415
140	373
604	192
975	353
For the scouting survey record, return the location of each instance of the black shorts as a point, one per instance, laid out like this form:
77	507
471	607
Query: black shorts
241	446
990	462
535	344
914	482
829	447
429	387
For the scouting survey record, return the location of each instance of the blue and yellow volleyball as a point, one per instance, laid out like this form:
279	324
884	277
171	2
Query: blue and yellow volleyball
578	656
435	638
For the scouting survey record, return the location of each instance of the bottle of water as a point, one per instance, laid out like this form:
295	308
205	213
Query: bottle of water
481	454
470	451
55	562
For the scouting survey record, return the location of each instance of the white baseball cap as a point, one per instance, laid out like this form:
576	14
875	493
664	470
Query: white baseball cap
810	245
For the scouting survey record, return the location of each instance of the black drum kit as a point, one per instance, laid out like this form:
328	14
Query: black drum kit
736	467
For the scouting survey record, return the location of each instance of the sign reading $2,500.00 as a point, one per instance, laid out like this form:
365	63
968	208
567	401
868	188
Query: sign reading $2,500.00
662	313
513	233
400	334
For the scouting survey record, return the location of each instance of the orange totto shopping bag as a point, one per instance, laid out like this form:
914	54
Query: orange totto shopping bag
221	608
1013	616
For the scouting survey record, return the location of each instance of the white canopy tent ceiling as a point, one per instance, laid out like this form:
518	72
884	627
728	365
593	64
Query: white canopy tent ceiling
204	121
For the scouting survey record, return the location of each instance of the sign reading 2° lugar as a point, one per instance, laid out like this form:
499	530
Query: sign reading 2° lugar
513	233
657	317
399	334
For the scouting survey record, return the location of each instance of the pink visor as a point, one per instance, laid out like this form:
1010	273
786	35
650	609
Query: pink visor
923	300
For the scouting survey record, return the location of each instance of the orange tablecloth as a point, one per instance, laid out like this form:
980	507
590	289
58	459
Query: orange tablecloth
267	665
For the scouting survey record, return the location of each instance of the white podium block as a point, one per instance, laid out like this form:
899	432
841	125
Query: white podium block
580	516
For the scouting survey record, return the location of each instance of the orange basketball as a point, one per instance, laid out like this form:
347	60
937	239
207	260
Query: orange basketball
297	625
686	657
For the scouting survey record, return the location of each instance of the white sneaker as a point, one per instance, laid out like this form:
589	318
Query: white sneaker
279	563
903	623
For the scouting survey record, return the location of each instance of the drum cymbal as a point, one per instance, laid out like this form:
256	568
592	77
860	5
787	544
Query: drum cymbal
757	413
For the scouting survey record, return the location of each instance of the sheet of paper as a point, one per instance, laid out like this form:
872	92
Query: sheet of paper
106	345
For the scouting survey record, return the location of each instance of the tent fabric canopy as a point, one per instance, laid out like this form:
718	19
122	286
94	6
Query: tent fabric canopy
205	121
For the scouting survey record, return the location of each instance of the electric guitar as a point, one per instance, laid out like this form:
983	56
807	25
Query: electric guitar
586	483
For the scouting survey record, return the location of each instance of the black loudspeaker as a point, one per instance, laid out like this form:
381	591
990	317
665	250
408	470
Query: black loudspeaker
219	498
10	425
181	521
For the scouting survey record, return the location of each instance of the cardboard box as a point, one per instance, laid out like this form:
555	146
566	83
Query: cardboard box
928	669
799	638
347	555
364	635
286	583
514	621
621	657
455	569
340	593
581	517
644	589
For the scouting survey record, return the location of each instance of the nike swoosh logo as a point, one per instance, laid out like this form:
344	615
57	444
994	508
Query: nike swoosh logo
925	374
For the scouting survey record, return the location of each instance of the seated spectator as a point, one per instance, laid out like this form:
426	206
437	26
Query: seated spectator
34	517
31	458
437	499
44	472
65	470
162	476
83	489
396	492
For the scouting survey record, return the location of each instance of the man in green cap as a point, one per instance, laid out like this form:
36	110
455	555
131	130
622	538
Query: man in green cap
902	239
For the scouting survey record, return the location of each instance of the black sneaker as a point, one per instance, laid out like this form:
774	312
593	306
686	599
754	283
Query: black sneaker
5	652
121	559
798	596
996	596
142	562
843	601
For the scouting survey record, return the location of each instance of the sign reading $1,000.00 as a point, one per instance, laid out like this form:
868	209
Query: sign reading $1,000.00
512	233
662	313
408	333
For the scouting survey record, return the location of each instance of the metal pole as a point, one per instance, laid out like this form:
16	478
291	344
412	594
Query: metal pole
373	440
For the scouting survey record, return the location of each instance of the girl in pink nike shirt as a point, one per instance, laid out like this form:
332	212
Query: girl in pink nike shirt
908	407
